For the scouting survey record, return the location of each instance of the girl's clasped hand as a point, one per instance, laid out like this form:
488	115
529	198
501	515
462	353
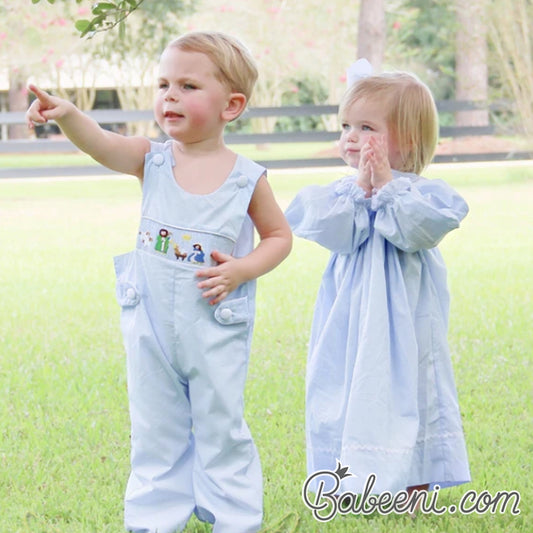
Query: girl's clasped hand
374	169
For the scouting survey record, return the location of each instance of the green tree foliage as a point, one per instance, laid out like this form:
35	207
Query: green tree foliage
105	16
149	29
151	22
302	91
421	34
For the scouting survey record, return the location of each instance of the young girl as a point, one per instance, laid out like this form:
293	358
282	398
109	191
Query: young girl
187	292
380	394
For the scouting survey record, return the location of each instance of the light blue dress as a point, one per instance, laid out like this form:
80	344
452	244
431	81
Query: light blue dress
191	450
380	391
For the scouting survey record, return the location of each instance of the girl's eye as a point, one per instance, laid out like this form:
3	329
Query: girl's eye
163	85
189	86
345	127
366	128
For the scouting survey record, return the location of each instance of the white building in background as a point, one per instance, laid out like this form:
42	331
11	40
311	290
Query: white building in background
85	72
94	84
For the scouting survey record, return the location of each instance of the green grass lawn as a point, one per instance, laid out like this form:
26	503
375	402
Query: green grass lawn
64	426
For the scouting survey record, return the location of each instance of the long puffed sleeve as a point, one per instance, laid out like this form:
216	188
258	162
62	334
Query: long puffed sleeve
335	216
415	213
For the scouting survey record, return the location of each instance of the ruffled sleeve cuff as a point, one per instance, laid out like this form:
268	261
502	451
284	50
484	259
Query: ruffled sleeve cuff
390	192
348	189
335	216
414	213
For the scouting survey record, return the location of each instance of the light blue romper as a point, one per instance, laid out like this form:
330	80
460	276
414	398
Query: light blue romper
380	392
191	450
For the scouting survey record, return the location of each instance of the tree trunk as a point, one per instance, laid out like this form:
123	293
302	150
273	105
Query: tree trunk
471	61
17	100
371	36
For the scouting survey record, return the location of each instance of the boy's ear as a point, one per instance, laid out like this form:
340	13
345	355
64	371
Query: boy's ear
236	105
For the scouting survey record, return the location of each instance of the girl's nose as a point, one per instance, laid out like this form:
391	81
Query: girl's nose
352	135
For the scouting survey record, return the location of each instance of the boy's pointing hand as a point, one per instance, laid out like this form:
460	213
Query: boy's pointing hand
45	107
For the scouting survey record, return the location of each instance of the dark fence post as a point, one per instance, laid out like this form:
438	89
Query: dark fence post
118	116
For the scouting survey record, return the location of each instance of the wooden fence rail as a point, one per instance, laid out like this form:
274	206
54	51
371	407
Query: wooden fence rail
117	116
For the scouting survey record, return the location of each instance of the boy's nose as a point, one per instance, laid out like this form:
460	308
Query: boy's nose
171	95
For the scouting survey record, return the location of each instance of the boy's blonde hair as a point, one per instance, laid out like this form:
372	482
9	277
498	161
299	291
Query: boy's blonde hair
411	114
236	67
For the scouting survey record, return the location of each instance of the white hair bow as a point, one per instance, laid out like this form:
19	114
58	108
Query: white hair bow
357	70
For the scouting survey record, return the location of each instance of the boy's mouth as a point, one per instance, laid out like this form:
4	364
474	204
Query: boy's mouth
172	114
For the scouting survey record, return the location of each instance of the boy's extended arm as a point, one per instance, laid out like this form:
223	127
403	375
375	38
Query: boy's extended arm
117	152
274	246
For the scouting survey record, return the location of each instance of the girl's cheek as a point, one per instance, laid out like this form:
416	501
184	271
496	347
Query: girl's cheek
366	136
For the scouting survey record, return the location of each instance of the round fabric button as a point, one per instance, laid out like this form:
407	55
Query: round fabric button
242	180
226	314
130	293
158	159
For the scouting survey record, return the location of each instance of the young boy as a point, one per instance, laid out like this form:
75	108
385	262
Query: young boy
187	292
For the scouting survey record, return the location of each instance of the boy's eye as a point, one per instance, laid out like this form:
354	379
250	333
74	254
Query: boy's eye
189	86
345	127
163	85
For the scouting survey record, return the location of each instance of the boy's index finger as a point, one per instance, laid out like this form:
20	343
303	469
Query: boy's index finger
41	95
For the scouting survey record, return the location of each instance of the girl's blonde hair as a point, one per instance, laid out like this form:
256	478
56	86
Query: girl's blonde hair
411	114
236	67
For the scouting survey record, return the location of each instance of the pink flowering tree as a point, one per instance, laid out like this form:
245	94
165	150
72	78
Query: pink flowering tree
33	43
112	53
296	40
